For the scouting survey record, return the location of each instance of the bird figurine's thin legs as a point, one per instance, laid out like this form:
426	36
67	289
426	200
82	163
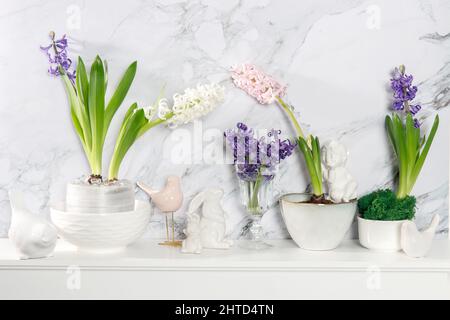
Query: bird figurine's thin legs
173	228
171	240
167	228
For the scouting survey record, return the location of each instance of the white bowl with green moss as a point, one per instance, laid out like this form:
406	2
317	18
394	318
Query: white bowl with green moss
380	220
380	235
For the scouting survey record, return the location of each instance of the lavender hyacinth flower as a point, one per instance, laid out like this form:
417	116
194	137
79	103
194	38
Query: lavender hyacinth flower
414	109
253	156
58	57
404	93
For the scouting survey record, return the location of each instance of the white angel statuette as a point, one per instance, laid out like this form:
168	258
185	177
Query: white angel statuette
193	241
212	224
32	235
340	183
417	243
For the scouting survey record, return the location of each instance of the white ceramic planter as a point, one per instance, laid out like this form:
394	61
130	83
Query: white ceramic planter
101	232
380	235
316	226
92	198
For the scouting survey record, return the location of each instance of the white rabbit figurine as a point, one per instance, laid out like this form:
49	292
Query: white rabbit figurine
212	224
193	241
32	235
341	185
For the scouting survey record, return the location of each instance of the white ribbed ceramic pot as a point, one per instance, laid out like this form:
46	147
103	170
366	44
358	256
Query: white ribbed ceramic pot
316	226
101	232
83	197
380	235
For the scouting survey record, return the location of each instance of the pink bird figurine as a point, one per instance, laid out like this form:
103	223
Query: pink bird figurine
168	200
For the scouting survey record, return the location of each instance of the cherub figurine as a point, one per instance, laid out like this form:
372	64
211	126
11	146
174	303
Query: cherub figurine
341	185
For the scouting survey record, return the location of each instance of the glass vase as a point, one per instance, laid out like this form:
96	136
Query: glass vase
256	197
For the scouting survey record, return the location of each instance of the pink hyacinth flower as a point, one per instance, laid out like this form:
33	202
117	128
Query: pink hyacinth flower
256	83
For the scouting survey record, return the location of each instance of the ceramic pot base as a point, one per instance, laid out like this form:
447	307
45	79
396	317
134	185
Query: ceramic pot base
101	232
317	227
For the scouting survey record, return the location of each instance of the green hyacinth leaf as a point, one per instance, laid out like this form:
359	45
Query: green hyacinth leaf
82	83
127	136
316	182
119	95
97	111
423	155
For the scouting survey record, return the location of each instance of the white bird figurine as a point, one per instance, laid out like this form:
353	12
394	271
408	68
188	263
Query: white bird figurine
416	243
32	235
168	200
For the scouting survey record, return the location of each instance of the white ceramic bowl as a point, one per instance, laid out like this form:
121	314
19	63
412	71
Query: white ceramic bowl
316	226
101	232
83	197
380	235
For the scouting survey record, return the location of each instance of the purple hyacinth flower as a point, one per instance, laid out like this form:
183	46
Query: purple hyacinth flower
404	93
286	148
397	105
254	156
414	109
242	126
396	75
58	57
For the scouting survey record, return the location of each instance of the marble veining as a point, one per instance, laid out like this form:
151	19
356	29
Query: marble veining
335	55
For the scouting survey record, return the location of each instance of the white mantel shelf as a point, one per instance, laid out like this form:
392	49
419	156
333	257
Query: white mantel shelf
149	271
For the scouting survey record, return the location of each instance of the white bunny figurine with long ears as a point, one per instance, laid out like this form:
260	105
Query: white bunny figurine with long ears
193	241
32	235
212	225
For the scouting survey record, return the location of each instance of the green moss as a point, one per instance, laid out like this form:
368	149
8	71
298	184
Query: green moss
384	205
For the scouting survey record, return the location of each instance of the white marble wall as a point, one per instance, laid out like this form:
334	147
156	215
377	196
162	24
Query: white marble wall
335	55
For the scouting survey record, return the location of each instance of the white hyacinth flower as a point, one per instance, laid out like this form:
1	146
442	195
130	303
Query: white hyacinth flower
149	112
195	103
160	108
163	108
